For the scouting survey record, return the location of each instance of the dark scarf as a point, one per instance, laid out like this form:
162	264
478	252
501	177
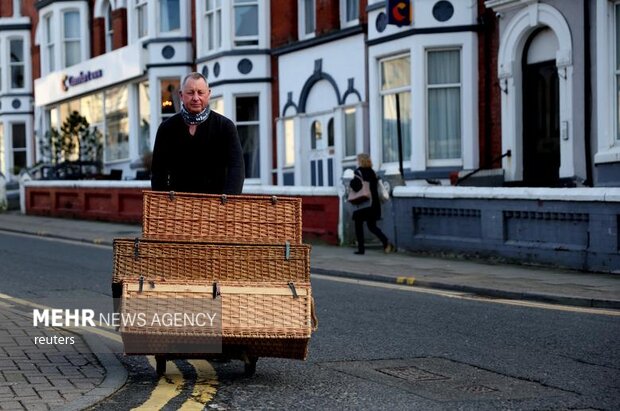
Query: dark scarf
194	119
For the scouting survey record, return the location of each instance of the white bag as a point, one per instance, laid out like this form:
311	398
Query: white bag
382	190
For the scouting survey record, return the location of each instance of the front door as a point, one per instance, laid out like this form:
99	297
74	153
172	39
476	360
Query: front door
321	156
541	125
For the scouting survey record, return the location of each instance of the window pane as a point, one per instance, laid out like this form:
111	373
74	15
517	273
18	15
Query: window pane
142	20
19	161
91	107
316	133
309	16
144	142
247	108
19	135
217	105
72	53
389	126
169	96
289	142
117	124
169	15
349	129
72	25
444	123
395	73
50	57
17	76
249	143
353	7
17	51
246	21
444	67
330	132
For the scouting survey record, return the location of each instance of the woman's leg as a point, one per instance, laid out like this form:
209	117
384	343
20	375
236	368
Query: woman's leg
372	226
359	234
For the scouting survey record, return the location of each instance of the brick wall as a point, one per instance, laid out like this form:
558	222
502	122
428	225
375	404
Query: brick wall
119	25
283	31
327	16
6	8
98	37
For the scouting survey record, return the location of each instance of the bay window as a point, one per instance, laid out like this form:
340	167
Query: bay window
306	18
16	63
71	37
213	24
169	15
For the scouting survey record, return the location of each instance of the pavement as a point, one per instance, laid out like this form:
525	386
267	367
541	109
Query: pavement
76	379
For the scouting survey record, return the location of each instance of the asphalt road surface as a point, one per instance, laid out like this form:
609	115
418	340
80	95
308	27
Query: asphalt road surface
378	346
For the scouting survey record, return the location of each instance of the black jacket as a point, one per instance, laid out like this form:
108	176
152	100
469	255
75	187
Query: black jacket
367	211
210	161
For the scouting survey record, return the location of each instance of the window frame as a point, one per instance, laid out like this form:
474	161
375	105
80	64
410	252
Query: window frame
64	40
14	150
216	13
12	64
160	19
393	91
253	40
253	123
138	6
301	20
448	161
344	12
108	28
50	43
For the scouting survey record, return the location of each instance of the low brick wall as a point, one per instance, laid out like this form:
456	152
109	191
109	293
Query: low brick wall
122	202
575	228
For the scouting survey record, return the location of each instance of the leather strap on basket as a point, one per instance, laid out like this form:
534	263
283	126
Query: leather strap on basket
315	320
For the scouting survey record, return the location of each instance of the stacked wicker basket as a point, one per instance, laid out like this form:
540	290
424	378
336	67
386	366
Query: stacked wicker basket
244	250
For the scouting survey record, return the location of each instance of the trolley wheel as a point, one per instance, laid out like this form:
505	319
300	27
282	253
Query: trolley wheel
250	366
160	361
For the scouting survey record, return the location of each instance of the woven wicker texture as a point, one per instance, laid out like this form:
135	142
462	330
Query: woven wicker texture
225	219
248	309
192	261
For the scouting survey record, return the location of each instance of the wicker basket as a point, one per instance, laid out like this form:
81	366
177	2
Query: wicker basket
192	261
264	319
220	218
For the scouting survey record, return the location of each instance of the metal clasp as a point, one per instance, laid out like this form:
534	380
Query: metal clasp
291	285
216	290
136	248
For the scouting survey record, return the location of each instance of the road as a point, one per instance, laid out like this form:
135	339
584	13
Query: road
378	346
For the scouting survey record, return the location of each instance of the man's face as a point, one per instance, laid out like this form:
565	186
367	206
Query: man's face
195	95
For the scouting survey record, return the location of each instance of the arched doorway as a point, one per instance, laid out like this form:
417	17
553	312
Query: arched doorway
541	110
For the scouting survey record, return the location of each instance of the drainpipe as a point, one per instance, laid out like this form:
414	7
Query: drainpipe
587	94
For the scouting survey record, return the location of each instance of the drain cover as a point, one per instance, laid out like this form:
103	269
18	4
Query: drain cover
412	374
441	379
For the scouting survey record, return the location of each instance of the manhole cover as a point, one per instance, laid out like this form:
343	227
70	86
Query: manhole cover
441	379
412	374
476	389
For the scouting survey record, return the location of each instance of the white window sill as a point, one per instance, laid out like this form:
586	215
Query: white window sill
610	155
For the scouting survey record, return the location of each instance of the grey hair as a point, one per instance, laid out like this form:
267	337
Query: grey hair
196	76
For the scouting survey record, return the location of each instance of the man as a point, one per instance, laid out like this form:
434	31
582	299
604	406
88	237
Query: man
197	150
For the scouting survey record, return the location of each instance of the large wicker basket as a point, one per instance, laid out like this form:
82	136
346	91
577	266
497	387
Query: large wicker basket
264	319
192	261
221	218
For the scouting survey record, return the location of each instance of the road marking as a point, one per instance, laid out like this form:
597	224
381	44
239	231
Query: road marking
470	297
205	387
168	386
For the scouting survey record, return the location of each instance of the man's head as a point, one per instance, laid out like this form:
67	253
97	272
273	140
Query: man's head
195	92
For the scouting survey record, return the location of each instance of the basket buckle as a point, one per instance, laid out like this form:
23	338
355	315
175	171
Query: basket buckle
223	199
171	195
274	200
140	283
291	285
216	290
136	248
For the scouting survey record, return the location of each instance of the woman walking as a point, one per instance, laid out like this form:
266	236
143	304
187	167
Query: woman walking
369	211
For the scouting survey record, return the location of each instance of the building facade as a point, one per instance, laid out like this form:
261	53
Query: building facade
526	88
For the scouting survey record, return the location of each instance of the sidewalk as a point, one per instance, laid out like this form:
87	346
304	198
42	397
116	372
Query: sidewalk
494	280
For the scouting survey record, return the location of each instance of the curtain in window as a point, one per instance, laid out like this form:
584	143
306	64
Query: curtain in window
389	126
444	105
169	13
